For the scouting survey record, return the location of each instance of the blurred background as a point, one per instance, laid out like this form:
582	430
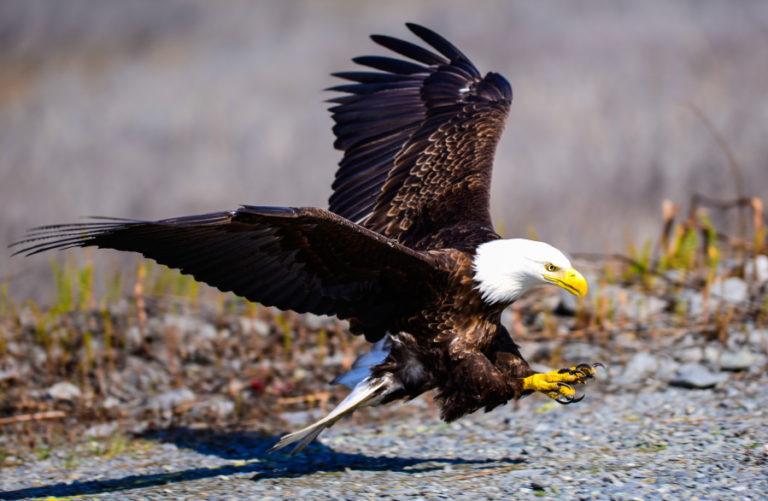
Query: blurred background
149	109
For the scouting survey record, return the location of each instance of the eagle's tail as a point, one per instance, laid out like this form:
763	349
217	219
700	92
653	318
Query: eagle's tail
368	392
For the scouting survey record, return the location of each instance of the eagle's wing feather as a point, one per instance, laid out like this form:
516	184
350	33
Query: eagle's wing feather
303	259
418	140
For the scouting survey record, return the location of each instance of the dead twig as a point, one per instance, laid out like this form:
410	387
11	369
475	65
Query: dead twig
319	396
37	416
722	143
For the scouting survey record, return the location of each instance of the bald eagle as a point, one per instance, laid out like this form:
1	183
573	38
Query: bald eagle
406	251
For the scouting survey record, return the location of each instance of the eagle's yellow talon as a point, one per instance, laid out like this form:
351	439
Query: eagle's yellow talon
557	384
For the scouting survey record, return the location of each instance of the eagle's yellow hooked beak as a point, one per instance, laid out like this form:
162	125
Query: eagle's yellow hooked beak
570	280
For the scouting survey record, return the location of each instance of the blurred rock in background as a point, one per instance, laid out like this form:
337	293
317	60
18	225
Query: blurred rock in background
149	109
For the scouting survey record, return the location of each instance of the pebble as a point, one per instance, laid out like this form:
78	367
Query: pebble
318	321
758	338
757	268
110	403
216	408
8	375
167	400
641	366
102	430
63	390
732	290
254	325
637	438
694	302
737	361
693	354
666	444
694	375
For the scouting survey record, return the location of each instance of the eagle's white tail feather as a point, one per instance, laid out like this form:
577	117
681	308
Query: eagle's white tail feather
366	392
361	368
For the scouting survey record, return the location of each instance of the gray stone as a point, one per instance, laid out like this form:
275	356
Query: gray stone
736	339
757	269
317	322
8	375
737	361
207	331
732	290
101	430
63	390
711	354
696	376
256	325
689	355
667	368
758	338
166	401
641	366
217	407
223	407
132	337
110	403
694	302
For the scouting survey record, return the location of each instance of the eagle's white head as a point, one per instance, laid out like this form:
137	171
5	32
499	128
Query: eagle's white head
505	269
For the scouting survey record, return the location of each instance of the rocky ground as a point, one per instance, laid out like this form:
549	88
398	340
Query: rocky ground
627	443
176	398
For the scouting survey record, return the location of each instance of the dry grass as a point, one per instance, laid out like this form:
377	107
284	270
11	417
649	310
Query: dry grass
268	362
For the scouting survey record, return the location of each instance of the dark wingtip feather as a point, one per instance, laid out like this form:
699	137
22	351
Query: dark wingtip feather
371	77
409	50
62	236
440	44
391	65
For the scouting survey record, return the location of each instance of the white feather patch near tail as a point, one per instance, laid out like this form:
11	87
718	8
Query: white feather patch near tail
361	368
366	392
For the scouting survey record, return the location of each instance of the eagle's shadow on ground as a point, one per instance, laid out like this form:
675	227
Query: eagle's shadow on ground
251	448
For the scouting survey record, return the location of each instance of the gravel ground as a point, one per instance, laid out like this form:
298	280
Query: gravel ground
191	408
668	443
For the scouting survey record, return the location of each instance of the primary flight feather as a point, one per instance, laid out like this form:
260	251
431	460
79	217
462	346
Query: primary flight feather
406	251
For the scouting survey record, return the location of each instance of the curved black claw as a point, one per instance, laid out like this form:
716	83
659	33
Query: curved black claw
587	371
567	399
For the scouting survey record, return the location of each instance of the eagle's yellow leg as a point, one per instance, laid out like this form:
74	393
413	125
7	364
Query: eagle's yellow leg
557	384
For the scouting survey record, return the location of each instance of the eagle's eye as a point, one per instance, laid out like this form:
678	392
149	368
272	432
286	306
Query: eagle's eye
551	267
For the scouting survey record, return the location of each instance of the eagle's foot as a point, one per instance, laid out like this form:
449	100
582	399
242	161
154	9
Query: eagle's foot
557	384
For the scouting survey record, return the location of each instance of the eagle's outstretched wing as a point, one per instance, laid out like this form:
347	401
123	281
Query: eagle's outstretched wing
302	259
419	140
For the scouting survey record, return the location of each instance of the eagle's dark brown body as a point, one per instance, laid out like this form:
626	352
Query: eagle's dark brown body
395	253
481	367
